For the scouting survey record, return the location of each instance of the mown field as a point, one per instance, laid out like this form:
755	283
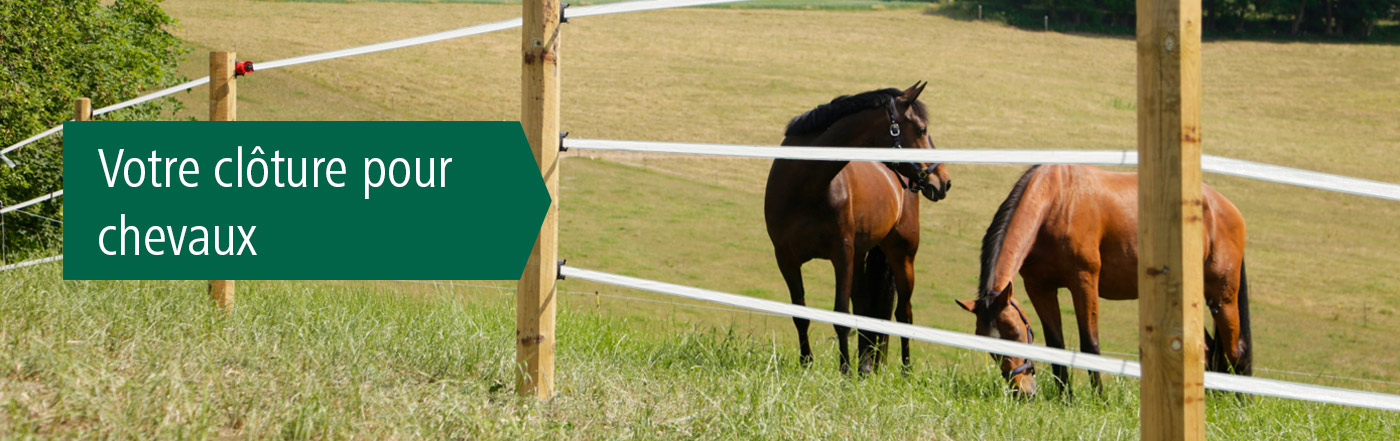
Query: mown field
1323	265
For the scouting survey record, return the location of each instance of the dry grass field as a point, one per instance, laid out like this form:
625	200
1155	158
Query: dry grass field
1323	265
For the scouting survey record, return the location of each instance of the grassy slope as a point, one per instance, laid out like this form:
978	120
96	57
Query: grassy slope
1323	264
301	360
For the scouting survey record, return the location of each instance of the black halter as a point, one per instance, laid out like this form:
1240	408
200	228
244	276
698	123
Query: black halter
1028	365
917	184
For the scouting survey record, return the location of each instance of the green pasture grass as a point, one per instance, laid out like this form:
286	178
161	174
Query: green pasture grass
1323	265
391	360
1325	289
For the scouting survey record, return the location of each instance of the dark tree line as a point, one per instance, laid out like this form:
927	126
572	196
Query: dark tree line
1338	18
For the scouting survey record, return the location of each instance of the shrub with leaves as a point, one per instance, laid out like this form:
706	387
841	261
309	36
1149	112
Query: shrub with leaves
52	52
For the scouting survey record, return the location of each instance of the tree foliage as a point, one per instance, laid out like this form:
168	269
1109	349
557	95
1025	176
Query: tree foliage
52	52
1357	19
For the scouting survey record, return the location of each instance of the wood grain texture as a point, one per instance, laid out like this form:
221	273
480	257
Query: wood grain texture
223	106
536	294
82	109
1169	194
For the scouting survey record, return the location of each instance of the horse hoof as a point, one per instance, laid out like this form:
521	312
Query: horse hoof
867	369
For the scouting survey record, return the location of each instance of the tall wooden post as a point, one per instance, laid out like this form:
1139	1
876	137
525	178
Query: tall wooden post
1169	211
539	102
82	109
223	106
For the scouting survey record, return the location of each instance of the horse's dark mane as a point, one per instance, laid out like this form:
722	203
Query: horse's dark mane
823	116
996	234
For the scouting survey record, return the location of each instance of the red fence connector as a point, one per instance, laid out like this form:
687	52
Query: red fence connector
241	68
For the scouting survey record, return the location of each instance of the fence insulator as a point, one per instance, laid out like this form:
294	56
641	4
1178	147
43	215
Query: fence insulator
241	68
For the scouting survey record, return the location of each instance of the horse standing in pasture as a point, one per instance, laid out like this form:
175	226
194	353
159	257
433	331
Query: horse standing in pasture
858	215
1076	227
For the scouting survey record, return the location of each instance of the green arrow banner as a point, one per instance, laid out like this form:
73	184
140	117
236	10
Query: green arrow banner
299	200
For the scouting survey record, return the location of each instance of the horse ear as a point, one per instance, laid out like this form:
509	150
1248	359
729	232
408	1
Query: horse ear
1005	295
987	301
969	305
912	93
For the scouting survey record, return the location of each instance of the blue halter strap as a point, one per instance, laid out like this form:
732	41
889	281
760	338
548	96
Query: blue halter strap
1029	365
915	184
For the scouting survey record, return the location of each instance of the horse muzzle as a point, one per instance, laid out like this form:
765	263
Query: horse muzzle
934	192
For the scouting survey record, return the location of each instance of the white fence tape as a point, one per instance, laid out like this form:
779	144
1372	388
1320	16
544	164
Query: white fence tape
1215	164
30	140
151	96
1215	381
389	45
27	203
31	263
584	11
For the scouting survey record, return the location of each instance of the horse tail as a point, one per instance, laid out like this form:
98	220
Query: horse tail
1245	364
876	301
1007	219
879	284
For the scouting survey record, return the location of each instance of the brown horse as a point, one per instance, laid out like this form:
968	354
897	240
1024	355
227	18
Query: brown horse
1075	227
858	215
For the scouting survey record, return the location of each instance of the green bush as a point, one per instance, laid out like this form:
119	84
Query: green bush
52	52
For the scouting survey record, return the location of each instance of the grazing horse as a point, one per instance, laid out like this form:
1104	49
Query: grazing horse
858	215
1076	227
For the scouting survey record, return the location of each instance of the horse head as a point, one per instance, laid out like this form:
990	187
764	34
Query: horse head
1000	316
908	127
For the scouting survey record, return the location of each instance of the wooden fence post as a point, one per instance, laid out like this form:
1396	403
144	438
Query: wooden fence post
82	109
539	102
1169	210
223	106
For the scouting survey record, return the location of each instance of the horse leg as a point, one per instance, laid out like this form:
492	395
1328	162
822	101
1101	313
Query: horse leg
862	304
1086	310
792	274
843	262
1046	300
902	265
874	299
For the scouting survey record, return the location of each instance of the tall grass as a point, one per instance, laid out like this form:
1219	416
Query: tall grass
321	360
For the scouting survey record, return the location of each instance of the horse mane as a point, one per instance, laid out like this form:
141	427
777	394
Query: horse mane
823	116
996	233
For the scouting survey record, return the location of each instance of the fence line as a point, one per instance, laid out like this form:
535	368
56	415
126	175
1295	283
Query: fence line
31	263
31	202
1215	164
502	289
1213	380
1079	360
40	217
584	11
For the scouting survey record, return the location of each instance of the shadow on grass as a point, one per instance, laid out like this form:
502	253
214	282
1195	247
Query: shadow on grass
1387	33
